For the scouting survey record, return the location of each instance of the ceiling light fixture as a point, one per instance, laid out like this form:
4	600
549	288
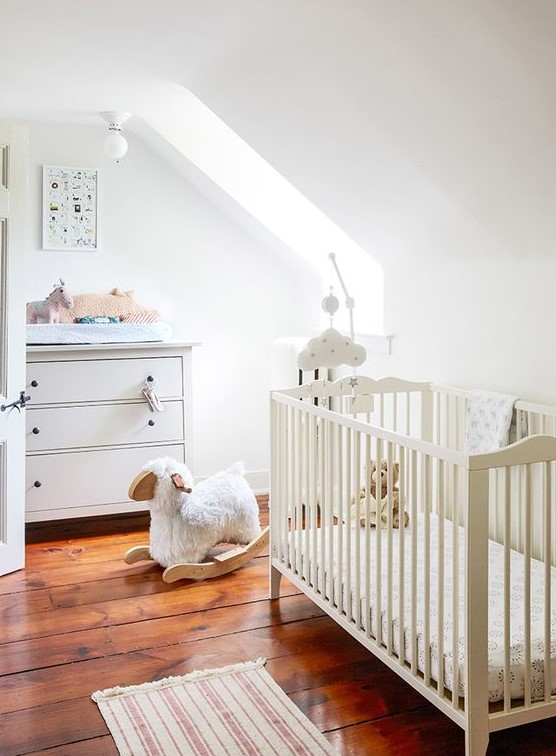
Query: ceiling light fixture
115	144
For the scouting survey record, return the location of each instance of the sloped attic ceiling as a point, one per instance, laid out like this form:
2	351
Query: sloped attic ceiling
422	128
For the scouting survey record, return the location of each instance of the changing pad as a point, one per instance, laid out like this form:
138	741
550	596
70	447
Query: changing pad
96	333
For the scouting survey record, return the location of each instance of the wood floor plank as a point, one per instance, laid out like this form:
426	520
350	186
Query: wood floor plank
65	648
51	726
22	580
123	585
31	602
76	553
41	686
418	732
218	622
51	577
78	619
104	746
249	584
369	692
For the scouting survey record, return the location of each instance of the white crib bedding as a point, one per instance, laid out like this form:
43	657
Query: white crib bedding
496	599
97	333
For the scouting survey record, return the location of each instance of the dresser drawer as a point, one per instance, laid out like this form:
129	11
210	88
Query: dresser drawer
102	380
71	481
102	425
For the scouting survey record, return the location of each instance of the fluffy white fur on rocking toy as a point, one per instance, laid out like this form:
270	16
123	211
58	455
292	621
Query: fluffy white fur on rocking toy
185	526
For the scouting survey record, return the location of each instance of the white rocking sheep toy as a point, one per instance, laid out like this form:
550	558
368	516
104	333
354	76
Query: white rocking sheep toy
187	522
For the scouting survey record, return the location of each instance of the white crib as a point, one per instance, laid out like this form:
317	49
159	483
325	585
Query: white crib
461	601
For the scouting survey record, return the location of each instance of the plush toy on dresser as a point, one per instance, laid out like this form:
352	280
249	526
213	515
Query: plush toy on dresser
48	310
118	304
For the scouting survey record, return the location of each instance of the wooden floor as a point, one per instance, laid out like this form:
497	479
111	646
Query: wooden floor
78	619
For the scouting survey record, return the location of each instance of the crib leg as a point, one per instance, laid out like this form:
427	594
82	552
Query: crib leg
476	738
275	576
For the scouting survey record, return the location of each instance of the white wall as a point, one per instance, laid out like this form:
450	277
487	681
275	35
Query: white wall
426	132
488	324
211	280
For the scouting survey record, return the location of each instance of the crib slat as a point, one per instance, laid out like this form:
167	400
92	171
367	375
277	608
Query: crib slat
356	467
333	455
323	505
547	684
328	455
389	544
305	495
401	557
291	493
414	554
367	504
427	566
457	424
297	498
507	521
455	589
527	588
287	502
347	493
438	430
344	522
378	532
313	499
440	557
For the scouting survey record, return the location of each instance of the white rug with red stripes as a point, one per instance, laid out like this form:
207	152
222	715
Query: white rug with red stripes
218	712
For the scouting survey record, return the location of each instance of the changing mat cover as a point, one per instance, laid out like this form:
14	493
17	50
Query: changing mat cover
96	333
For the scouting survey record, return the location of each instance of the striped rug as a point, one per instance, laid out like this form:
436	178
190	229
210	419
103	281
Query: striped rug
234	710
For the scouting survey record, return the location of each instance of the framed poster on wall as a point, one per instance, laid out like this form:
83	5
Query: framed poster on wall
69	209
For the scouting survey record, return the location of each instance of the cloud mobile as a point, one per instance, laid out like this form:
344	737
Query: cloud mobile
332	348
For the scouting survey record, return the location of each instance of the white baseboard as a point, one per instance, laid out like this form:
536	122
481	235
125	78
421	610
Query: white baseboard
259	480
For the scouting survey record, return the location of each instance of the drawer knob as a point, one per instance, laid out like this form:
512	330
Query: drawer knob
37	484
150	379
151	423
36	431
34	384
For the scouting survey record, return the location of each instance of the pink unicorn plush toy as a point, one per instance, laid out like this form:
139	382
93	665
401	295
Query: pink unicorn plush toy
48	310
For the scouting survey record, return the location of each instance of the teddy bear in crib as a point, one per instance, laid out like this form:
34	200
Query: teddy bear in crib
380	512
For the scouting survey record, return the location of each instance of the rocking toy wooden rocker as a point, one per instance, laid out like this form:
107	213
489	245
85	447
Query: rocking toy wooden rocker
187	522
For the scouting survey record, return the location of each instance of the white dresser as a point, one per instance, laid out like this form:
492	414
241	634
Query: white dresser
90	429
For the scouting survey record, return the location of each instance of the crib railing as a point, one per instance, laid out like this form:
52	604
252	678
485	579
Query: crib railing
521	490
371	578
418	595
436	414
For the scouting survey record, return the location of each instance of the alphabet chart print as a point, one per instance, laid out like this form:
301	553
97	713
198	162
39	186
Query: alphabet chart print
69	208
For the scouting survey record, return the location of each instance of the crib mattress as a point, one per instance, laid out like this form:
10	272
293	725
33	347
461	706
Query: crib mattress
97	333
496	652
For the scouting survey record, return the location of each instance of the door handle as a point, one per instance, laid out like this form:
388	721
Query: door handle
21	402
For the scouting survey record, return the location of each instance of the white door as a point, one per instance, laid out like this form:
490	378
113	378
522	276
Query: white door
13	203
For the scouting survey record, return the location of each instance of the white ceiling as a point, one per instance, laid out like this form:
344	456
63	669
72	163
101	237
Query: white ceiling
422	125
67	59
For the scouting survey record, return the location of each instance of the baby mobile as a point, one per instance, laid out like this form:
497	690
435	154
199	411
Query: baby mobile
331	348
